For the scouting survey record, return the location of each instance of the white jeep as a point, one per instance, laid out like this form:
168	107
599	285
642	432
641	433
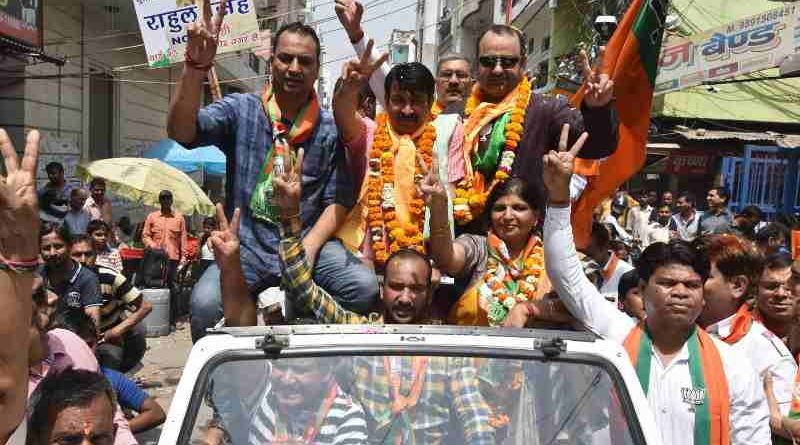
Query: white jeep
394	384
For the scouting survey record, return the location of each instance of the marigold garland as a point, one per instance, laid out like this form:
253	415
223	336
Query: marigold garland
503	288
389	235
471	194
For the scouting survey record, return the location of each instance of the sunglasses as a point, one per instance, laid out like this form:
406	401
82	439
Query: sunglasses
504	61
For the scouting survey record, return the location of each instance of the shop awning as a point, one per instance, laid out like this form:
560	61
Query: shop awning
766	137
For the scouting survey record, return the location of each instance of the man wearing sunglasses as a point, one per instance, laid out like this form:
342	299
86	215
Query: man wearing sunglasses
253	130
501	90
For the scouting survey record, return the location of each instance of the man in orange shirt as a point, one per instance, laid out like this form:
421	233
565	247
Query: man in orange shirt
166	229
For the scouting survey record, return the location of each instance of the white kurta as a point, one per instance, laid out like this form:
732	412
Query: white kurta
674	416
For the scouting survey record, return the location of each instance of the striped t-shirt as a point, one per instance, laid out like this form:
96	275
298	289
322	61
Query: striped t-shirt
118	293
344	424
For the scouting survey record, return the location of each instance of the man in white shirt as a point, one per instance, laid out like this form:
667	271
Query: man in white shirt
658	230
736	266
77	219
639	216
686	222
612	267
672	277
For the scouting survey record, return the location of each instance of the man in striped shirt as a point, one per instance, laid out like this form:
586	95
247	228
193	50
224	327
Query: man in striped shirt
299	401
406	399
123	342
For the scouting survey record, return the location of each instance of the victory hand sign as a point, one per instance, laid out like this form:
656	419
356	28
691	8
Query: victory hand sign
19	211
203	37
599	86
559	165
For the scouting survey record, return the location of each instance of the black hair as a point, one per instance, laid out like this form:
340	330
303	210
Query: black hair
97	182
77	322
773	230
752	212
54	165
449	57
778	260
504	30
513	186
413	77
408	254
722	192
95	225
601	236
164	194
76	192
675	252
629	280
81	238
301	29
59	391
688	196
61	230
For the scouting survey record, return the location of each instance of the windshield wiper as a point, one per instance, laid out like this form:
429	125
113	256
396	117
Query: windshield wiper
272	343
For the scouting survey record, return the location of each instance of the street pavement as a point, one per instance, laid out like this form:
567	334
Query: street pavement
161	370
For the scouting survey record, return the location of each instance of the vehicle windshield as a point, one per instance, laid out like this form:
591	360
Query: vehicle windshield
409	400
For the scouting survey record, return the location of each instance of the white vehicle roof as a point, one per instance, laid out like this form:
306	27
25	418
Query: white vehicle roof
337	340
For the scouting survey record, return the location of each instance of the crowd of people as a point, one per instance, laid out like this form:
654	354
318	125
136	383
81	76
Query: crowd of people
357	217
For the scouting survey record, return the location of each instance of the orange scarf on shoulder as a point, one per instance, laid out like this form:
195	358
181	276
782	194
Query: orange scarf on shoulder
709	394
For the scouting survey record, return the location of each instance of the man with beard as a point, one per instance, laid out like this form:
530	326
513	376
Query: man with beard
299	402
736	266
453	74
508	128
76	286
449	385
775	301
254	132
390	214
696	385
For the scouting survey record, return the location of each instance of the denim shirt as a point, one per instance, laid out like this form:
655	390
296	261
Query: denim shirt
238	125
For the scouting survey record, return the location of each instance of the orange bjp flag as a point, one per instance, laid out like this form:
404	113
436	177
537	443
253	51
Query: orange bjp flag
631	60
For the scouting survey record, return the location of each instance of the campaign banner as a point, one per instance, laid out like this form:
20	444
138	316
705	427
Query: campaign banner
747	45
163	24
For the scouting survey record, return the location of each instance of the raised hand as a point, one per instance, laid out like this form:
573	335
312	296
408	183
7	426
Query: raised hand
287	185
599	86
350	13
559	165
203	36
358	71
19	210
225	240
430	187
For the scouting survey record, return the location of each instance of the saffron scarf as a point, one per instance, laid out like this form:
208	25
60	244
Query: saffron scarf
794	411
712	414
354	229
285	139
481	116
474	307
740	326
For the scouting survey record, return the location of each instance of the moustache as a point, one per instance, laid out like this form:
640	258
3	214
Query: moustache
411	118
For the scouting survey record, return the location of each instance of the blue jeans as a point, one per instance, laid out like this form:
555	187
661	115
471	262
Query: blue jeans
337	270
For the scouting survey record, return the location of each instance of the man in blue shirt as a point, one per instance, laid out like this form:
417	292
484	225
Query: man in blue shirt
254	131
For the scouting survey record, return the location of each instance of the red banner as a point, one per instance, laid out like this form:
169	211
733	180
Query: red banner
21	20
689	163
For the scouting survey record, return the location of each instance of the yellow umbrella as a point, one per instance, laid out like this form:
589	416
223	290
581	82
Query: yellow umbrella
139	179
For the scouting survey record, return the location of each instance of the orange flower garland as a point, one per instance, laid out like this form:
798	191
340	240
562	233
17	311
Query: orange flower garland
387	233
471	194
